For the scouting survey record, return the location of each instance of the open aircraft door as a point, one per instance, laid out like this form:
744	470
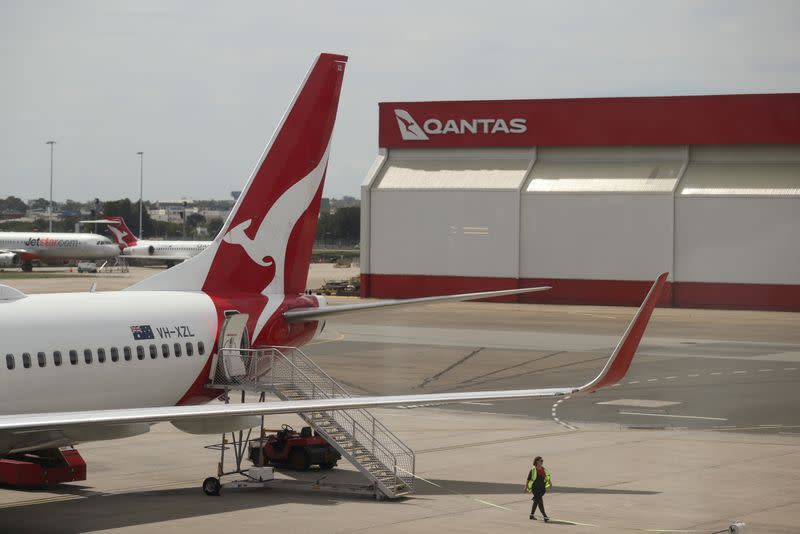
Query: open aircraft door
232	336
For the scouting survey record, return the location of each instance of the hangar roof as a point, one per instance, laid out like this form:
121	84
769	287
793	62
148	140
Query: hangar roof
752	171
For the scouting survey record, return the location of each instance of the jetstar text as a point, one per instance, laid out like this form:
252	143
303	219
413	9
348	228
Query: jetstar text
475	126
50	242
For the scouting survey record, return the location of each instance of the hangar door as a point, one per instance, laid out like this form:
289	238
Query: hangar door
447	213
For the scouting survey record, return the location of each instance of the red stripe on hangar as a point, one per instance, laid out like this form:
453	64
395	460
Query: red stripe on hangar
669	120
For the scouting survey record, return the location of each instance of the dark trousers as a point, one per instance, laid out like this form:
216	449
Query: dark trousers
538	500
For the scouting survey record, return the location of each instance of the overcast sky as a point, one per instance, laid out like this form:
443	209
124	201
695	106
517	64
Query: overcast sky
200	86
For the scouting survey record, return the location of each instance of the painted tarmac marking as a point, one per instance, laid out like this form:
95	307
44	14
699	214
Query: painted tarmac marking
714	374
477	403
676	416
633	382
670	377
652	379
693	376
740	372
764	370
790	368
555	417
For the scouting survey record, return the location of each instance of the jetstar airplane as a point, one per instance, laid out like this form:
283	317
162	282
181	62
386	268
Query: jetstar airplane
171	252
94	366
20	248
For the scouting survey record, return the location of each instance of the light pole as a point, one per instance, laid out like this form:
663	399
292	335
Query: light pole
50	215
141	181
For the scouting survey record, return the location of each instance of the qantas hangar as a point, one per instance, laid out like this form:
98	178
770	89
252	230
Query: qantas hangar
595	197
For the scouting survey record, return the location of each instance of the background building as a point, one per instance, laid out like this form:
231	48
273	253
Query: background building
593	196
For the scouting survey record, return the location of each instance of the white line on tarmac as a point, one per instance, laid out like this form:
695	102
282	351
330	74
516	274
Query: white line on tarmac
670	377
739	372
717	373
693	376
764	370
790	368
477	403
652	379
677	416
633	382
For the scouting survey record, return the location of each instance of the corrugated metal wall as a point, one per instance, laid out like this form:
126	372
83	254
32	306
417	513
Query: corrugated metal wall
598	223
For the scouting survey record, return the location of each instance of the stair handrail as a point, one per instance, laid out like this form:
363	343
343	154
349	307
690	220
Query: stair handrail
255	353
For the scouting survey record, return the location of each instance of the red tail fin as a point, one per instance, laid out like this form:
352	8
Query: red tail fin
264	248
122	234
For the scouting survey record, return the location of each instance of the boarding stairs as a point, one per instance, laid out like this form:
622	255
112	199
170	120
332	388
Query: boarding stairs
357	434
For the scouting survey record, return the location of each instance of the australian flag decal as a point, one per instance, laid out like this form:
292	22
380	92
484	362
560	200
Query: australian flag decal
142	332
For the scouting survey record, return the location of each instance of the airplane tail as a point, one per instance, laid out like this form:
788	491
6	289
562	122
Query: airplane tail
265	244
123	236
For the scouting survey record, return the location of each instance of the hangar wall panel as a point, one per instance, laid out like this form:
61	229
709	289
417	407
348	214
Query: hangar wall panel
737	240
445	233
568	239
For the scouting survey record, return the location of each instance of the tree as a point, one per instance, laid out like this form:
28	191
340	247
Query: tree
193	220
130	212
14	205
214	226
39	204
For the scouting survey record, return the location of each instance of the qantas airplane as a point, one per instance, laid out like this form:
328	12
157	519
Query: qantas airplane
20	248
171	252
78	367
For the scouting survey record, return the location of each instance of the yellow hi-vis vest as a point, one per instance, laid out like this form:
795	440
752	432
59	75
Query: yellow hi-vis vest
535	475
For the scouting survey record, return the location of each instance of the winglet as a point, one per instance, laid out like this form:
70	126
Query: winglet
617	365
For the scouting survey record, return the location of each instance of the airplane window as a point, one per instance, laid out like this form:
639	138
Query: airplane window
101	355
73	357
10	361
87	355
189	349
140	352
57	357
42	358
201	349
177	350
26	360
127	352
153	352
165	350
114	354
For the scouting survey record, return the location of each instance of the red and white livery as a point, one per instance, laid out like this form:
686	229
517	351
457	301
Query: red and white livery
92	366
169	251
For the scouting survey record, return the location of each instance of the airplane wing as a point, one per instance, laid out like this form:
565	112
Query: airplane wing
613	371
313	314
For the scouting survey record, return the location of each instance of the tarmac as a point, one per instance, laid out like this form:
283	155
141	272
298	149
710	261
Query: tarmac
703	431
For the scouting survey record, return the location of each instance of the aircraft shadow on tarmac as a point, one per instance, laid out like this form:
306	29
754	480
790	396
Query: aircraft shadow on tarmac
91	511
131	509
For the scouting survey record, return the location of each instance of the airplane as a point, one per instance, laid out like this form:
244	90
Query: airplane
18	249
132	247
79	367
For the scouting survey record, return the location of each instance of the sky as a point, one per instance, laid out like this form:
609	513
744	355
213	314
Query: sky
199	86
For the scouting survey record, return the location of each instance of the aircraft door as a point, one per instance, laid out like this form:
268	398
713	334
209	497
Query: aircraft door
234	335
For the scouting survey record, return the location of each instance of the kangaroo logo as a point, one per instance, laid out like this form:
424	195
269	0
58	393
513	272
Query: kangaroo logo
119	235
409	129
271	240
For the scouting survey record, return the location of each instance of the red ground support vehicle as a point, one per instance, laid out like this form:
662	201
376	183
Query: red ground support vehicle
296	450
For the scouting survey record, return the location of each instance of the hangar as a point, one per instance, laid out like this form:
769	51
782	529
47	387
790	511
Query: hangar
594	196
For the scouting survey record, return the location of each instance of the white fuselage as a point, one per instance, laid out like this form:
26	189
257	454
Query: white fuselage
42	326
58	245
180	250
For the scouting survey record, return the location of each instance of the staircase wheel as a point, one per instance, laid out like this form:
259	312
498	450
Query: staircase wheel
327	465
298	459
211	487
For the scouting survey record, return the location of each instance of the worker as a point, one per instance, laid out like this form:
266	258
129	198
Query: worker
538	483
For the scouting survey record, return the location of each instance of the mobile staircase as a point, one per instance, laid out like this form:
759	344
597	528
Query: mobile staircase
288	373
